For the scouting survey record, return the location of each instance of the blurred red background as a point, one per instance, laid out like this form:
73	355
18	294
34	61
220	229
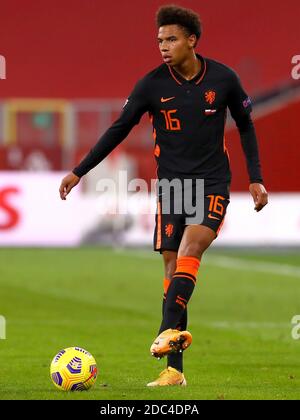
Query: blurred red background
96	49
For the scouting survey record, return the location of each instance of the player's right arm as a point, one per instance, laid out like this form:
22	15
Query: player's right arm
134	108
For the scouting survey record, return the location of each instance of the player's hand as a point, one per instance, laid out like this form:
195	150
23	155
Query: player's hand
260	196
68	183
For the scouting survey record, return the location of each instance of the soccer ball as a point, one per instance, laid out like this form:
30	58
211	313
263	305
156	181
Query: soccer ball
73	369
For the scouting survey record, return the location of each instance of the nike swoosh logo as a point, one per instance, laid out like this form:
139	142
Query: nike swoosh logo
167	99
213	217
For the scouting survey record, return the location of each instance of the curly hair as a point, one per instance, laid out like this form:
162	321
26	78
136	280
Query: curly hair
176	15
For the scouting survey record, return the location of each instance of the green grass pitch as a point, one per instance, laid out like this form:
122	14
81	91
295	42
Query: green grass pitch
109	302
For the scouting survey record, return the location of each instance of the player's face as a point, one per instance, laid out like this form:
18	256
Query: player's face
174	44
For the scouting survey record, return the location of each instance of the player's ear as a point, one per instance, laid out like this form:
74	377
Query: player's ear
192	41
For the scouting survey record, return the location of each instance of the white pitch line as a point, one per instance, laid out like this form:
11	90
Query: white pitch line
211	324
248	325
231	263
253	265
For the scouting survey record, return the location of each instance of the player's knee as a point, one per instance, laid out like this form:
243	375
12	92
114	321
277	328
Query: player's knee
195	249
170	269
170	264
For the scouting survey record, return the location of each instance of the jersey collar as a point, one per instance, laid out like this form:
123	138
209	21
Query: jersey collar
197	79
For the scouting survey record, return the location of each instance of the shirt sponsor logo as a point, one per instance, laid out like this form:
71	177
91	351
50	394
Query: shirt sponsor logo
213	217
167	99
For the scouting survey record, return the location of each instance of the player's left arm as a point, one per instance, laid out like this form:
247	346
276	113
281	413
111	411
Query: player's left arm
240	107
260	195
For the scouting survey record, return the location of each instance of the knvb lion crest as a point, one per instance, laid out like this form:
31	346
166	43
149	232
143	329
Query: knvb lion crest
210	96
169	229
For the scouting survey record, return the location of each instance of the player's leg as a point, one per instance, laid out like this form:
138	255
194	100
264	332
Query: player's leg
173	374
168	234
175	360
169	258
196	239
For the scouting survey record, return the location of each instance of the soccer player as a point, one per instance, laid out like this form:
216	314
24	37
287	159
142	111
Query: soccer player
187	98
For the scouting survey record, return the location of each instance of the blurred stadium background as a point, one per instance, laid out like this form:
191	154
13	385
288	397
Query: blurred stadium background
69	68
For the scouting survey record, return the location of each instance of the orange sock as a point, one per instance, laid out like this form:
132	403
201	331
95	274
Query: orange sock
179	292
166	285
187	267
